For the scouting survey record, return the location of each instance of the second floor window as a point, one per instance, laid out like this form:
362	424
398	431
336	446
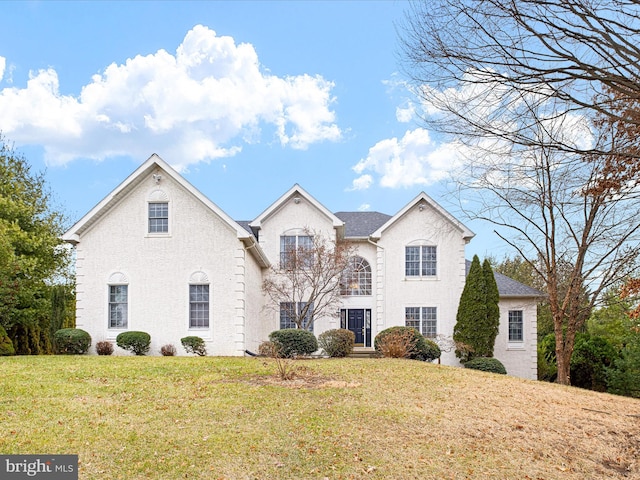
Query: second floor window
421	261
295	251
158	217
357	278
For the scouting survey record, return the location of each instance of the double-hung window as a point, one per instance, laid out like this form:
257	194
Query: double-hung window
118	306
198	306
516	326
158	217
421	261
290	311
423	319
295	251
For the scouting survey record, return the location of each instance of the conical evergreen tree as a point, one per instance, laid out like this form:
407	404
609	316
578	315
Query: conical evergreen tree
472	311
489	333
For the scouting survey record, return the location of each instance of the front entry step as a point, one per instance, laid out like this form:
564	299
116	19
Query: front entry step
364	353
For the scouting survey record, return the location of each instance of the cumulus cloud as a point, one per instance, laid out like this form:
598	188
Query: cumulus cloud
202	103
362	182
415	159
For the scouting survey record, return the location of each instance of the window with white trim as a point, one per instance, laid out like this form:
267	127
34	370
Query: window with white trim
295	251
423	319
421	261
357	278
118	306
198	306
158	217
516	326
289	311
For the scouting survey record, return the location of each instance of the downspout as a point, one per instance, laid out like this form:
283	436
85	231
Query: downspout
384	276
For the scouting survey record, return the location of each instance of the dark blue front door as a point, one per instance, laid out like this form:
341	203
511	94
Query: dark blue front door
355	320
358	320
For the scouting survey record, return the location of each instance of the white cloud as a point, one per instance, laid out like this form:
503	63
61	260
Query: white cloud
202	103
361	183
413	160
3	65
364	207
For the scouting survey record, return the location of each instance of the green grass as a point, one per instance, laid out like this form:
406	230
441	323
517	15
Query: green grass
230	418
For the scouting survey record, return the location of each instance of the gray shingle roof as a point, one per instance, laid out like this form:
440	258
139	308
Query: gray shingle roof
361	224
508	287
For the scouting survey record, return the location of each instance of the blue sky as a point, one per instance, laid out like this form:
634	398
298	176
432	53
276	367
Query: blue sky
244	98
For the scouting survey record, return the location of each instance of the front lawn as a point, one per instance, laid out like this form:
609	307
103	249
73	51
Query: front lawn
231	418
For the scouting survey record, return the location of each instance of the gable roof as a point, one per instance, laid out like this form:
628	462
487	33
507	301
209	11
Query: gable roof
425	199
362	224
140	174
508	287
293	192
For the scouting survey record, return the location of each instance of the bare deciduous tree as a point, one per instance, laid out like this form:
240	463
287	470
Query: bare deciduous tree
308	278
542	98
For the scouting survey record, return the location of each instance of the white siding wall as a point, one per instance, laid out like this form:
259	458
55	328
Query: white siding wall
158	269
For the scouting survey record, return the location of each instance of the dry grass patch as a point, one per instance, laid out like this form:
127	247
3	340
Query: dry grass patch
231	418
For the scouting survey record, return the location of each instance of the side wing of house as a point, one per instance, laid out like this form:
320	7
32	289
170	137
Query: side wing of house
516	343
156	256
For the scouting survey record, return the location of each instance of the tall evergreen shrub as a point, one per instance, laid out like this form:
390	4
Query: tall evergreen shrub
478	315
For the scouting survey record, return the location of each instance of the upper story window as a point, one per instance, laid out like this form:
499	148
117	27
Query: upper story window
158	217
516	326
357	278
421	261
295	251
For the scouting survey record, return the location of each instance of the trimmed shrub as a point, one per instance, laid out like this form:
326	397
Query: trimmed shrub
168	350
136	342
406	342
6	345
104	348
195	345
337	342
71	341
431	350
486	364
293	342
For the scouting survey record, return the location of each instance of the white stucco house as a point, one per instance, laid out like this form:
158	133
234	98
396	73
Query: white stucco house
157	255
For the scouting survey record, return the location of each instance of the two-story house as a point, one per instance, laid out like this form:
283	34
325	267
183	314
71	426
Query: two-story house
157	255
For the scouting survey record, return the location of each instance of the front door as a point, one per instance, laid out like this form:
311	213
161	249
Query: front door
358	320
